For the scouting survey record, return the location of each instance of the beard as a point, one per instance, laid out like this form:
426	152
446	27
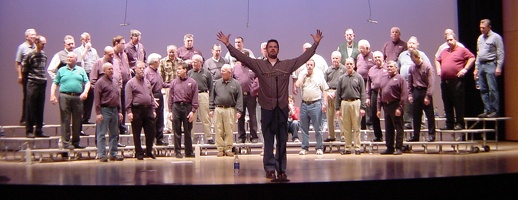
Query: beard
272	56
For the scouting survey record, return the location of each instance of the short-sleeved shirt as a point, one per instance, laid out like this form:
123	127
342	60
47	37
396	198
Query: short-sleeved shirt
23	50
313	86
71	80
452	61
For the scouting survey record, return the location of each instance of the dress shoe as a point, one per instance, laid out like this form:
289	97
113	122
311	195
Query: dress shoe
398	152
377	139
370	127
103	159
88	122
242	140
23	123
345	152
116	158
270	174
387	152
357	152
482	115
408	126
42	135
178	155
458	127
210	141
431	138
254	140
29	135
330	140
447	127
150	155
140	157
413	139
281	177
161	143
82	133
121	145
78	146
492	115
190	155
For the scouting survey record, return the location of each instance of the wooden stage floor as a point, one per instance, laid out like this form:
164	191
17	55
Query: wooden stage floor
472	170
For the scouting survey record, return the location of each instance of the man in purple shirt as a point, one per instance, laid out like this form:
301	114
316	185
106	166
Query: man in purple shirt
452	65
183	103
392	96
157	83
121	61
364	62
274	77
372	88
140	105
187	51
246	77
107	105
420	91
395	46
134	49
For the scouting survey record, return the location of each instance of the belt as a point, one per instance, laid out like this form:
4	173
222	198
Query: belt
349	100
157	94
222	106
202	91
486	61
332	88
391	102
182	103
310	102
71	93
136	105
421	88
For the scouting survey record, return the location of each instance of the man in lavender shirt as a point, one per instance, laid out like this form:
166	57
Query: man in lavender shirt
187	51
392	95
274	77
364	62
135	50
157	83
395	46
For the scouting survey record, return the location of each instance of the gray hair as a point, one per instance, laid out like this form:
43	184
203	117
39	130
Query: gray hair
154	57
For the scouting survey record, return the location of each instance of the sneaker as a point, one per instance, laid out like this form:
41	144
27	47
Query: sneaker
116	158
296	140
492	115
303	152
320	152
483	115
220	154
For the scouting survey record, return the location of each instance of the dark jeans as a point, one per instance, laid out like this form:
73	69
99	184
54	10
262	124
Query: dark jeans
293	128
273	127
71	107
180	113
393	122
453	98
418	96
35	104
249	103
143	118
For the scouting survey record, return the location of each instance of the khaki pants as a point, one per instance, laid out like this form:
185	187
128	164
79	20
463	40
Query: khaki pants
351	123
224	121
203	111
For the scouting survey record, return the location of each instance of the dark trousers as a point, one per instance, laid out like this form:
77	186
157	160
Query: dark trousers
35	104
71	107
180	113
274	126
375	120
393	122
159	123
453	97
249	103
122	125
24	94
418	96
87	104
143	118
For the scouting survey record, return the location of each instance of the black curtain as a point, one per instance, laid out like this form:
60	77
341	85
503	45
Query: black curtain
470	12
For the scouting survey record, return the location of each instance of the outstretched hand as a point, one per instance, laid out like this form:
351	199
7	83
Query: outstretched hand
317	37
223	38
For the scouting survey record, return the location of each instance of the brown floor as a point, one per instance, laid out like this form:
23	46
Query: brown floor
305	170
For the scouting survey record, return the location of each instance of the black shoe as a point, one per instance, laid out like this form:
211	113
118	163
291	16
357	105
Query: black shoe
431	138
254	140
140	157
483	115
242	140
88	122
42	135
150	155
447	128
78	146
370	127
281	177
123	130
346	152
82	133
376	139
161	143
458	127
330	140
178	155
103	159
413	139
357	152
116	158
398	152
387	152
492	115
190	155
211	141
23	123
408	126
121	145
29	135
270	175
